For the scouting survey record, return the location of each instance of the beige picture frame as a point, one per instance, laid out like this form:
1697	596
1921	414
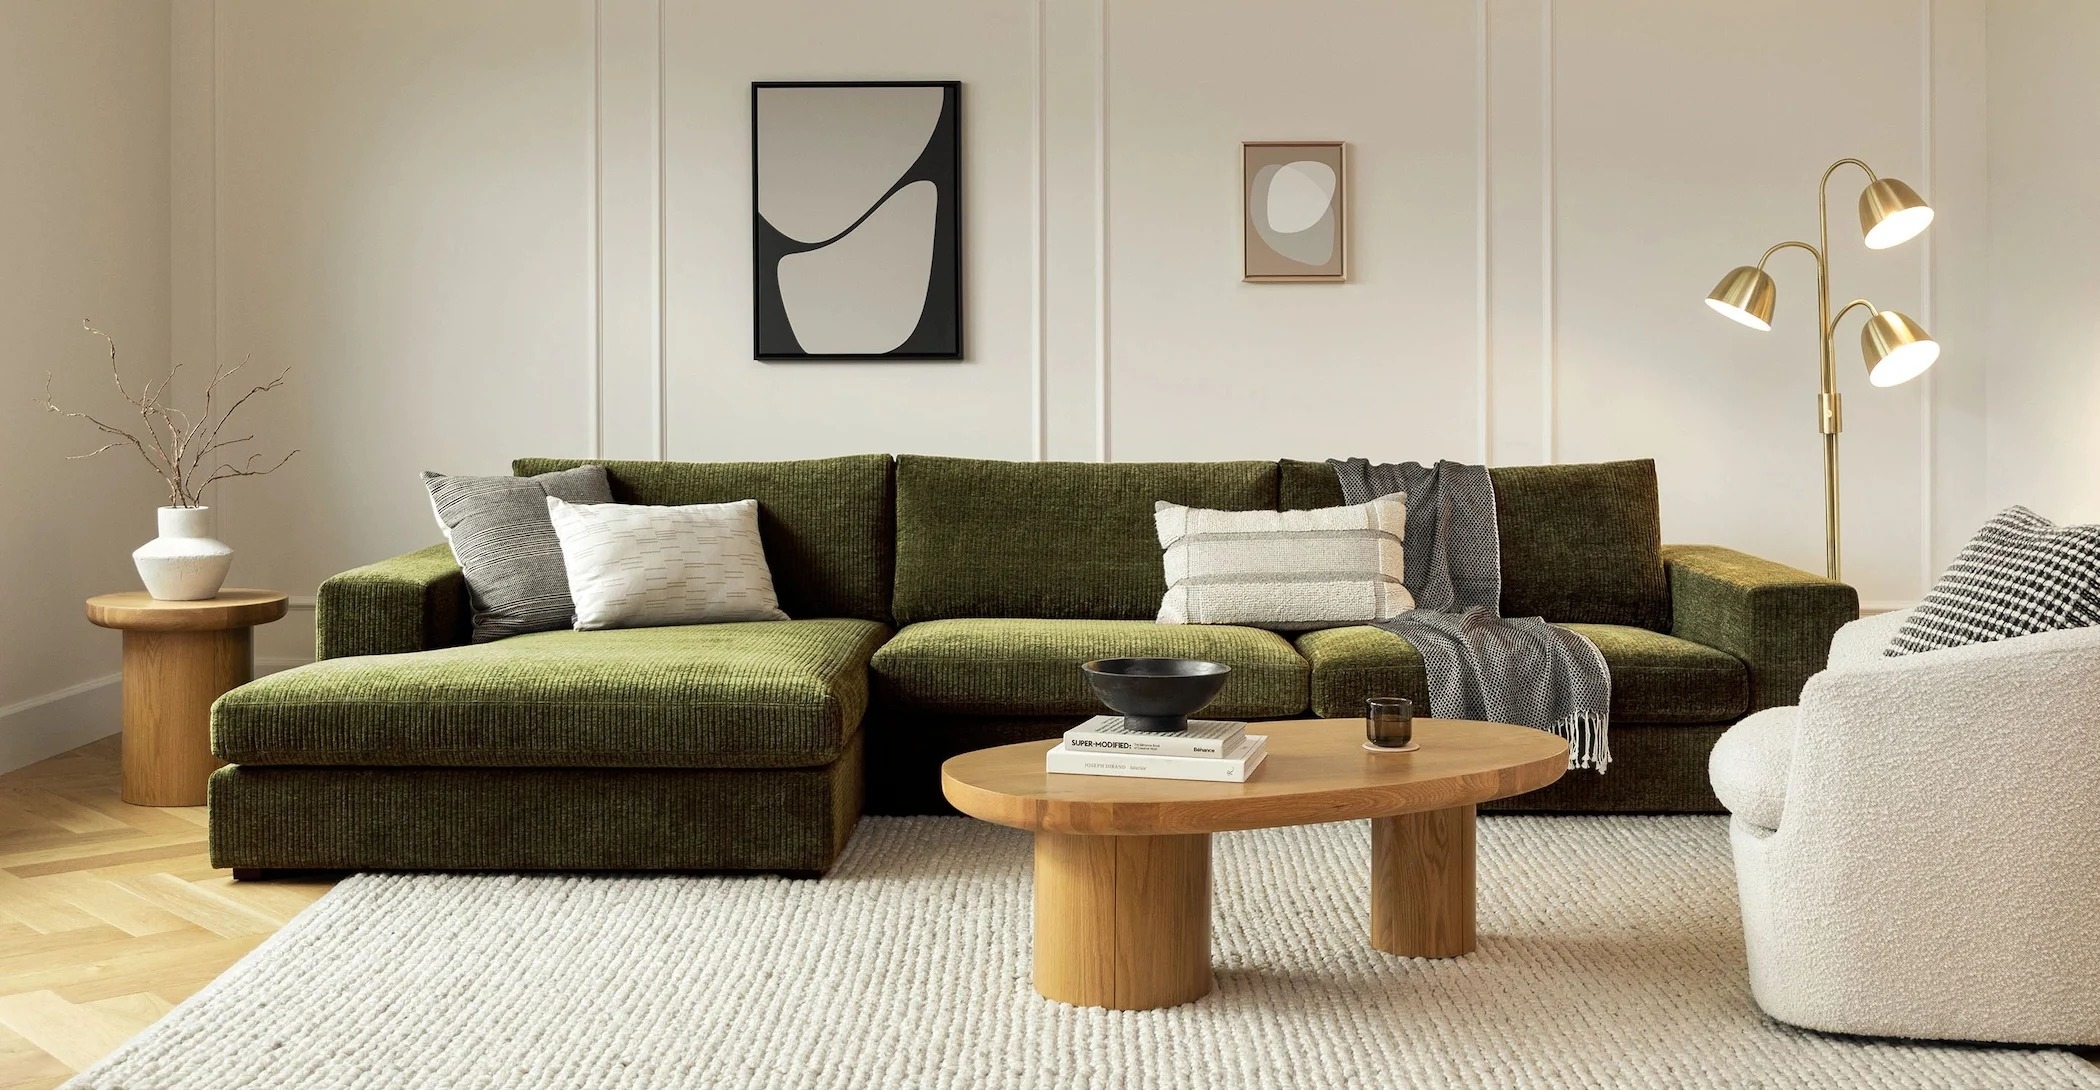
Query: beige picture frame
1294	211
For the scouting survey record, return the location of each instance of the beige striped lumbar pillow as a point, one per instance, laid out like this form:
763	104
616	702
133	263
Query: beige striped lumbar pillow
1284	569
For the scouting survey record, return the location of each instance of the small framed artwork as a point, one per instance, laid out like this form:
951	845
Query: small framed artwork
856	220
1294	211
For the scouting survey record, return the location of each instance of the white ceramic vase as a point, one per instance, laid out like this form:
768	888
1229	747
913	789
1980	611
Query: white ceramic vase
185	563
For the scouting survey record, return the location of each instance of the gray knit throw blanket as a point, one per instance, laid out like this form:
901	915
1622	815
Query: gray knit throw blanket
1482	665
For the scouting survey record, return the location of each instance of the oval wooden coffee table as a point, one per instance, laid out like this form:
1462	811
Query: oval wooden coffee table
1122	865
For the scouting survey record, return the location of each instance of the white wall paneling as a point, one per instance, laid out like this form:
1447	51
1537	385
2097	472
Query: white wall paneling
482	229
85	227
404	197
725	405
2044	187
1956	284
629	220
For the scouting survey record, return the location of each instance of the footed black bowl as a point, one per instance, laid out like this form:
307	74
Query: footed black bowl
1155	694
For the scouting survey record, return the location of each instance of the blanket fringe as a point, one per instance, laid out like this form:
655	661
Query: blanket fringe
1589	740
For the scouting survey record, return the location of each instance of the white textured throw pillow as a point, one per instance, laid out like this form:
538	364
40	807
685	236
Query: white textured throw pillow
1288	570
638	565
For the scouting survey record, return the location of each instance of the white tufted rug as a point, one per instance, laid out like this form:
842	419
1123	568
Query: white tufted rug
1609	957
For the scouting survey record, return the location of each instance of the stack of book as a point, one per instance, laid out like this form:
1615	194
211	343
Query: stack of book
1211	749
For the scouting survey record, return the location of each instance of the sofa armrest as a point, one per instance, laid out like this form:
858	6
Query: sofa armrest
1778	620
413	602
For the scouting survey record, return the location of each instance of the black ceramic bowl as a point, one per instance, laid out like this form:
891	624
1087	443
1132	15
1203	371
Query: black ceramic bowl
1155	694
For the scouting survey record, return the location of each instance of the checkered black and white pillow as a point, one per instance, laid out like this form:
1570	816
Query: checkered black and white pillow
2019	575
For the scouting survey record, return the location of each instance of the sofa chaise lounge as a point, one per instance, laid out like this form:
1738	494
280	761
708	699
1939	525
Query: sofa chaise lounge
940	605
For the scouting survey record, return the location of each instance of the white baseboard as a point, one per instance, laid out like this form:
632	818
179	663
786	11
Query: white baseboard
1869	609
48	725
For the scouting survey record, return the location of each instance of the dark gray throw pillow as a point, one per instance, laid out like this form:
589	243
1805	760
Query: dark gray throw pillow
2021	574
507	548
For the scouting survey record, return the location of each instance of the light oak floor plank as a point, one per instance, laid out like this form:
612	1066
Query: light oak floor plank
110	914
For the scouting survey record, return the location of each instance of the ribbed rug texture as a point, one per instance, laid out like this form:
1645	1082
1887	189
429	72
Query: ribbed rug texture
1610	956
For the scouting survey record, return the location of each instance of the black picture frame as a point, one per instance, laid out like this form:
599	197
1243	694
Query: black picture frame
939	333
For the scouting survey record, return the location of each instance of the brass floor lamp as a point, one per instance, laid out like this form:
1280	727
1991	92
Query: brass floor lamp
1896	348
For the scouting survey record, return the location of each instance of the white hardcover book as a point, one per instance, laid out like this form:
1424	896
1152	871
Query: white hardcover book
1204	738
1232	769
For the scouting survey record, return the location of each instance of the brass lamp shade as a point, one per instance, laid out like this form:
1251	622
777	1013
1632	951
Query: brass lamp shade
1891	213
1746	294
1897	349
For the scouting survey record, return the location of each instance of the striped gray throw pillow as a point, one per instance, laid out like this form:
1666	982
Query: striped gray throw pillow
506	545
1289	570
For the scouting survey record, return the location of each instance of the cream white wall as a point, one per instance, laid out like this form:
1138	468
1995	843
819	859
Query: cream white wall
2045	257
84	233
485	229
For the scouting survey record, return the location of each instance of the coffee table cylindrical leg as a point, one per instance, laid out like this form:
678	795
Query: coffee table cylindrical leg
1122	921
1422	883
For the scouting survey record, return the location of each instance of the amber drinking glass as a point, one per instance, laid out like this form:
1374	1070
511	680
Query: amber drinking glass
1389	721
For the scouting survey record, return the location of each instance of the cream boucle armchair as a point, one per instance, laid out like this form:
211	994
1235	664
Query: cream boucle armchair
1917	845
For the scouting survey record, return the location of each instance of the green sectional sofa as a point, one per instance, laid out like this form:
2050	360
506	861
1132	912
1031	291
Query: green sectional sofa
940	605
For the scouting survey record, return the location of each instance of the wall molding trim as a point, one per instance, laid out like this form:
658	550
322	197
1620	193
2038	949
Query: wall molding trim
1928	439
663	250
1038	302
1483	318
63	719
1101	438
20	706
1549	257
596	258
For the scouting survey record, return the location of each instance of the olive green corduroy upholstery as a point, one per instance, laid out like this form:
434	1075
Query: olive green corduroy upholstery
1654	678
769	819
1580	543
826	522
772	694
1777	619
1655	768
742	746
1031	667
409	603
1306	486
1069	540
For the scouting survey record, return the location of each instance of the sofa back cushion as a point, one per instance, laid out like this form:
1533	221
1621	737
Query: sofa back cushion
1580	543
827	523
1049	539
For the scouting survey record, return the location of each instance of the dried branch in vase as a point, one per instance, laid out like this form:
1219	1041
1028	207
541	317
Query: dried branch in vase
188	453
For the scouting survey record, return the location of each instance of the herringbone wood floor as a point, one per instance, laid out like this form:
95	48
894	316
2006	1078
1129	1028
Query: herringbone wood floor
109	914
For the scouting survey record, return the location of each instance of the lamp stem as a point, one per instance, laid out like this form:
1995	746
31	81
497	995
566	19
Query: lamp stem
1829	407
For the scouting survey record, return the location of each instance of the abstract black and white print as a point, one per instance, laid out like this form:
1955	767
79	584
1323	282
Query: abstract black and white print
856	220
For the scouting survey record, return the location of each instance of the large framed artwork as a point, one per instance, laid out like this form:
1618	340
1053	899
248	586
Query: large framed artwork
856	220
1294	211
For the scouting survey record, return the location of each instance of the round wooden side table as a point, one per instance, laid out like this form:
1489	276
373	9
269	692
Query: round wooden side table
178	658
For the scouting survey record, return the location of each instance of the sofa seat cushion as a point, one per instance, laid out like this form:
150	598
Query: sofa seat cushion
1748	766
1031	667
1654	678
765	694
